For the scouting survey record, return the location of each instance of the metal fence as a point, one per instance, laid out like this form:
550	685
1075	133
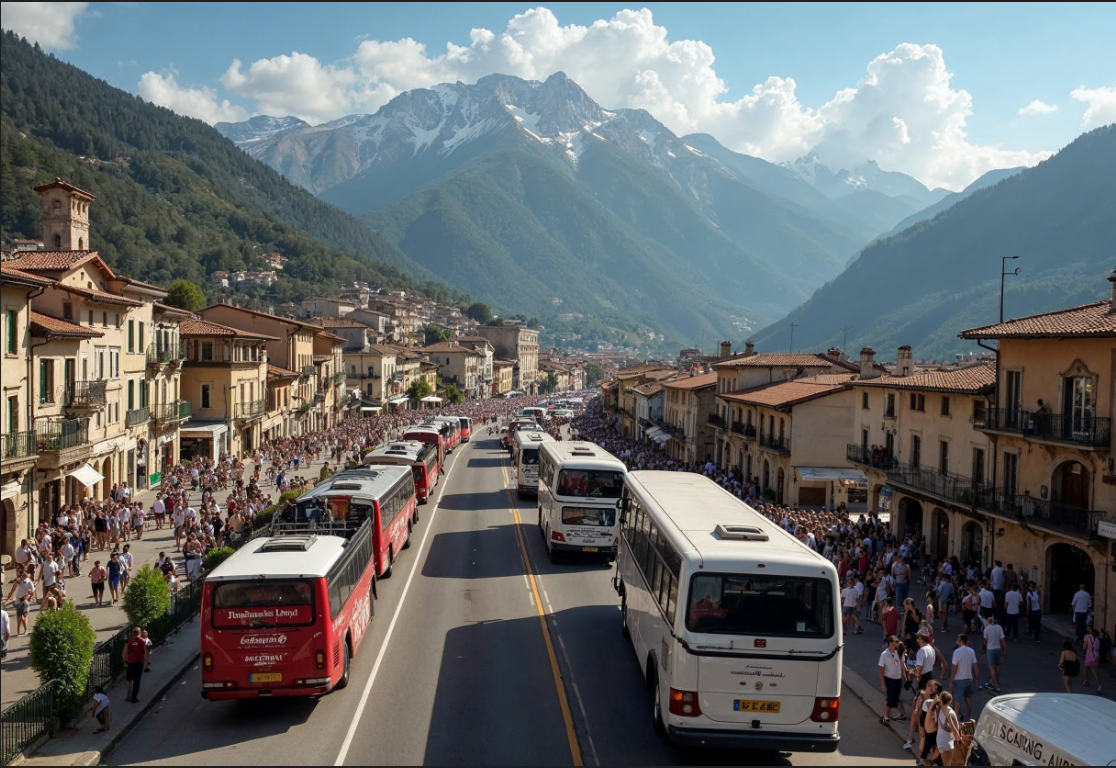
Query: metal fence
26	721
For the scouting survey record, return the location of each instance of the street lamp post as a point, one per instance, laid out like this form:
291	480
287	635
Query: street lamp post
1004	273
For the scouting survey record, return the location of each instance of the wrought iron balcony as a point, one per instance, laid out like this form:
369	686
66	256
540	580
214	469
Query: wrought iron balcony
165	354
946	485
775	443
1070	429
137	416
307	371
55	436
84	394
17	445
717	420
255	409
173	411
1049	514
740	428
305	407
863	455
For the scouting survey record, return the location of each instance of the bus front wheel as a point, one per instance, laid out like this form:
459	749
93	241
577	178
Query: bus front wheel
344	681
391	563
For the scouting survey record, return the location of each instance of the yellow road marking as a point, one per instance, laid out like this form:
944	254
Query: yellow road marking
563	702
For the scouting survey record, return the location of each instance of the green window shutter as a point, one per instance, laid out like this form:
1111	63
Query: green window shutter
131	395
141	345
131	335
42	381
143	395
12	322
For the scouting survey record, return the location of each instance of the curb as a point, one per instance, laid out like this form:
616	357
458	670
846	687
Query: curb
864	691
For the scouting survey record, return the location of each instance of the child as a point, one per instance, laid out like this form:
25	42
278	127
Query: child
147	656
101	709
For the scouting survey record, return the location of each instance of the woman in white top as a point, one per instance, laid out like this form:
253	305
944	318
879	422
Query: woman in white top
949	729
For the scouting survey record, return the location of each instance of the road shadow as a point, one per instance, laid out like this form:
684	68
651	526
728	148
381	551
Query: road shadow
474	502
490	461
486	553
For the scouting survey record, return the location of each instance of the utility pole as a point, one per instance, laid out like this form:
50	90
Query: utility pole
845	338
792	327
1004	273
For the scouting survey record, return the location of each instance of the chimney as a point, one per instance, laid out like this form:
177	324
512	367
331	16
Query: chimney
905	365
834	354
749	348
868	364
1112	303
726	349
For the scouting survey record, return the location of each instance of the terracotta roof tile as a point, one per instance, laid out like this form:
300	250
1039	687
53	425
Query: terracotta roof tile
199	327
63	184
42	324
275	372
693	382
783	393
16	276
649	389
100	297
448	347
339	322
54	261
290	320
1089	320
978	378
776	360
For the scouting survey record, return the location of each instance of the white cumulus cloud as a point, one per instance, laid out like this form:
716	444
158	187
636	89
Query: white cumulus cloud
51	25
297	85
1101	109
198	102
1037	107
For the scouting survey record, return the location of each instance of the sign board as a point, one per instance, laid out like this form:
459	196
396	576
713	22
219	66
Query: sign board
1107	530
156	477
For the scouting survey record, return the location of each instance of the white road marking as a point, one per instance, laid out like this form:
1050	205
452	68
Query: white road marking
391	628
526	583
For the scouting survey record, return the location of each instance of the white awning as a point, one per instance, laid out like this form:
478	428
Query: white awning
652	432
431	399
825	474
398	399
204	431
662	437
371	408
87	476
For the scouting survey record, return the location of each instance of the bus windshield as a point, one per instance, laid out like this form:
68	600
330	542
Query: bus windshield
263	603
530	456
602	516
590	483
768	605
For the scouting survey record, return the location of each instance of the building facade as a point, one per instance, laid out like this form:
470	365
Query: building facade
690	400
519	344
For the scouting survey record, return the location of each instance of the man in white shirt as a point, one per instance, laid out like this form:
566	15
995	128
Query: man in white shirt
159	509
987	602
49	571
1013	604
925	659
996	650
1081	602
891	679
179	518
964	673
849	600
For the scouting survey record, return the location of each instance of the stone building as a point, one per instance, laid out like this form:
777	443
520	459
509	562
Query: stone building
520	345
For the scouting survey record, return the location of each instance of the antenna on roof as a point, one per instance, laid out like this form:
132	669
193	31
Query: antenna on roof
792	327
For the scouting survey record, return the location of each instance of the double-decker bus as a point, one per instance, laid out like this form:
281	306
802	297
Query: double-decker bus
579	486
422	458
385	493
736	625
525	457
427	434
285	615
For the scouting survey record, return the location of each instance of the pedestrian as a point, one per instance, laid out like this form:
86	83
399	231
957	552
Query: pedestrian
1034	612
919	708
5	633
1069	665
889	620
100	709
891	680
901	572
135	657
995	644
1091	650
927	659
1013	605
114	571
949	729
1081	603
849	601
97	577
945	600
965	671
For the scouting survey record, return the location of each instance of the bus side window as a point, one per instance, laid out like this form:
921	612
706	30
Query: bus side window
385	514
672	598
335	599
649	555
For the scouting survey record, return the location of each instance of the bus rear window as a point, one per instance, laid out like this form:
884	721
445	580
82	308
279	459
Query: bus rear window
590	483
768	605
262	603
530	456
604	517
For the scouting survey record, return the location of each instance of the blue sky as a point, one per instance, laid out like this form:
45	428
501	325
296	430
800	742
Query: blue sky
1001	59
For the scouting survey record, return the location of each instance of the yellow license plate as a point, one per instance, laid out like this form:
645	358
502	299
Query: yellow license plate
265	677
756	706
589	549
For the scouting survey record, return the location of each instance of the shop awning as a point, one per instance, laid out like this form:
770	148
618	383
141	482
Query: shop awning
432	399
651	432
662	437
398	399
87	476
825	474
204	431
370	409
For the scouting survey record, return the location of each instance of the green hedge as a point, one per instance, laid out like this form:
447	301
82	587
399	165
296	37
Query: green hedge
216	557
62	649
147	597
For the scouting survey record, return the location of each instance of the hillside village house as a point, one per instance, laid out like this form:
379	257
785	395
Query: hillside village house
278	422
520	345
1053	501
329	368
460	365
649	399
689	403
913	433
503	376
627	379
485	347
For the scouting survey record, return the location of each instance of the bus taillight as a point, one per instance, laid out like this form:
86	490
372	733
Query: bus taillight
207	660
557	536
319	659
684	703
825	710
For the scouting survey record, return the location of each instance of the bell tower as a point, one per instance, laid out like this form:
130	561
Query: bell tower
65	216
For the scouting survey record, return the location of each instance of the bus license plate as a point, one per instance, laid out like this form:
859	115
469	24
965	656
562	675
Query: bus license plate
589	549
744	705
265	677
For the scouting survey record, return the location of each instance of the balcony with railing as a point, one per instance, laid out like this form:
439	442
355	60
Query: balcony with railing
717	420
84	394
307	371
176	410
1051	515
866	457
254	409
1064	428
137	416
60	442
17	448
339	379
775	443
166	354
949	486
305	407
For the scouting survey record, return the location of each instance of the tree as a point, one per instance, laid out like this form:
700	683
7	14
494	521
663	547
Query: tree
432	334
533	323
495	321
216	557
548	384
593	374
186	295
453	395
62	649
147	597
419	389
480	312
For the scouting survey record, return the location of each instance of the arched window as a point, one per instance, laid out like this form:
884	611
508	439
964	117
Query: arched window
81	243
57	203
58	241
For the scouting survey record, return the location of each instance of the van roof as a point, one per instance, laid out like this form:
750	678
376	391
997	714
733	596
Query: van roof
532	437
286	563
696	506
369	481
1058	719
573	451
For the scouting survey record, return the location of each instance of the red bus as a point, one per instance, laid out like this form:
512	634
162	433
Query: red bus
520	422
466	423
427	434
449	429
386	494
285	615
422	458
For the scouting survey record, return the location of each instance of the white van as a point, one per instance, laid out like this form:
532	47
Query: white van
580	484
1046	729
526	458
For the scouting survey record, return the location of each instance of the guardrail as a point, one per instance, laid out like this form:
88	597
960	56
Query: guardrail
84	394
1053	515
165	354
1071	429
60	435
251	410
775	443
17	445
717	421
26	721
137	416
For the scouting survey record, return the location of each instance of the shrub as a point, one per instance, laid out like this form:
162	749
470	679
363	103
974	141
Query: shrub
147	597
288	495
62	649
263	519
216	557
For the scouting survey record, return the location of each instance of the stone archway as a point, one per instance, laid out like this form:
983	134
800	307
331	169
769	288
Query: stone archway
106	483
7	527
874	498
1067	568
939	534
910	518
972	544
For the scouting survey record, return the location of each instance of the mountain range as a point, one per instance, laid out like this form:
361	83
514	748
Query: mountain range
530	194
924	284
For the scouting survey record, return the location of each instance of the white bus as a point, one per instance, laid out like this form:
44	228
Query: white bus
736	625
579	486
525	455
536	412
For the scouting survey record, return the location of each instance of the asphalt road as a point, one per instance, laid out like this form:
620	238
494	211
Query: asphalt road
462	666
